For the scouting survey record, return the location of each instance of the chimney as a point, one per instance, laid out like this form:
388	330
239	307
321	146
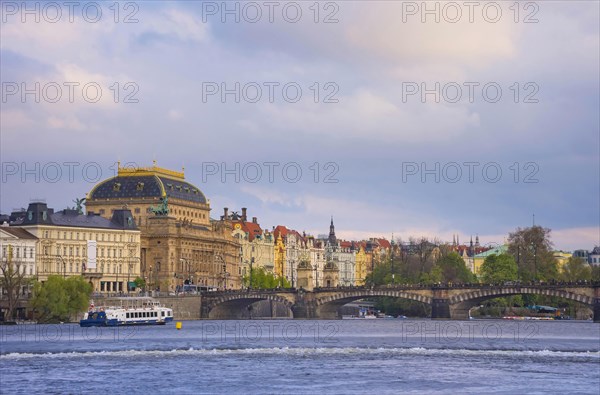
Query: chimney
254	220
225	212
244	214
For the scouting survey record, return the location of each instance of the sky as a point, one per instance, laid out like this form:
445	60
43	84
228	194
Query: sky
405	118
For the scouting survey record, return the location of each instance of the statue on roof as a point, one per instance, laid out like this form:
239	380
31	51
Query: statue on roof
163	208
79	203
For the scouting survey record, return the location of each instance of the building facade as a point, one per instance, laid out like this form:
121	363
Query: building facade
104	251
257	246
180	243
18	255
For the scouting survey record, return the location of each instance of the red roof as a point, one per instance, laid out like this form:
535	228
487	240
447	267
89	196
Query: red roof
383	243
250	228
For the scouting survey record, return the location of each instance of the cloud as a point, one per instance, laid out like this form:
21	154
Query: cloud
68	123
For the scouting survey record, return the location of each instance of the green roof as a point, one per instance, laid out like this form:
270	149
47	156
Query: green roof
496	250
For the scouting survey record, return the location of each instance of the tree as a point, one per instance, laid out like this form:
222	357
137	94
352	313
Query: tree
12	281
576	269
596	273
139	282
57	299
532	249
452	269
261	279
499	268
423	249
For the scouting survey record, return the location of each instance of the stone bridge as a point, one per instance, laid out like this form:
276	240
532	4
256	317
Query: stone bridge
447	302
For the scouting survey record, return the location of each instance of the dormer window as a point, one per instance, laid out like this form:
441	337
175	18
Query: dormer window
139	186
117	186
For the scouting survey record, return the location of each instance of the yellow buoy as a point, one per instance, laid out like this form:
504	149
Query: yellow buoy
178	325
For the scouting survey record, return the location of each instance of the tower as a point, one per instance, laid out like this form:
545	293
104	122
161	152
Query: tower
332	239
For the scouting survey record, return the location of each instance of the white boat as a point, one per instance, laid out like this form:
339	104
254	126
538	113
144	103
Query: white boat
132	311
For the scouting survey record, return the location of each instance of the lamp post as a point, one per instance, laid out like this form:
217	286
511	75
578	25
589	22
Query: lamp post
251	264
218	255
64	265
129	265
392	263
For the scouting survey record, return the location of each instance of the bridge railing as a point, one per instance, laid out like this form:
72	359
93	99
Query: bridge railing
548	284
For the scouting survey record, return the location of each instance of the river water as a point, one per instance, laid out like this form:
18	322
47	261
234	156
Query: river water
378	356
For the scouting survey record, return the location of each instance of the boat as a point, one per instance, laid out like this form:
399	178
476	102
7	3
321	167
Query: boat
132	311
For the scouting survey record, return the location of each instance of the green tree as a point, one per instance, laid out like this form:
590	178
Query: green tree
452	269
382	273
139	282
499	268
532	250
58	299
261	279
576	269
596	273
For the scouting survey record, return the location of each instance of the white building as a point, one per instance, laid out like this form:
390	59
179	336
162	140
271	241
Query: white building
18	250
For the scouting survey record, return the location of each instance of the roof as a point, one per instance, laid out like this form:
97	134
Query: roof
251	228
39	214
152	182
18	232
496	250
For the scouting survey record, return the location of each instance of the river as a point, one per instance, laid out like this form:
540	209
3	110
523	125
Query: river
378	356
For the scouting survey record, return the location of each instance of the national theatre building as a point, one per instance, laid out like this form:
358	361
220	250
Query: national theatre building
180	244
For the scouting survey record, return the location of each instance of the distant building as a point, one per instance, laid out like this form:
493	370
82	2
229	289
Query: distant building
65	240
561	258
257	246
594	256
19	252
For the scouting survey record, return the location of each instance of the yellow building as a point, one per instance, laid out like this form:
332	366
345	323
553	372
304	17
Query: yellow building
67	240
180	243
361	266
561	258
279	257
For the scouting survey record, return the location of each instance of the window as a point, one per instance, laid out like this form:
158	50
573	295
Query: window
3	252
31	252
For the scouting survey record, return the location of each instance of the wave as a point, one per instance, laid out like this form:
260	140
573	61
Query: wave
310	351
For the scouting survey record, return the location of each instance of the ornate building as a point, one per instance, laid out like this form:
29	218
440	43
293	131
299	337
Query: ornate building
343	256
105	251
180	243
257	246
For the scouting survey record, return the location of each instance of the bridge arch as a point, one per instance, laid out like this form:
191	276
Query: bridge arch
328	306
237	305
461	304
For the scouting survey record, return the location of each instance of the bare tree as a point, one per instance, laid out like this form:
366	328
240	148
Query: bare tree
12	280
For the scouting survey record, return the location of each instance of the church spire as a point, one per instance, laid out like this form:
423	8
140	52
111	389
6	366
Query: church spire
332	238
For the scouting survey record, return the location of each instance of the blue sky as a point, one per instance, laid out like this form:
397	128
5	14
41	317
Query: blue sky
373	138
